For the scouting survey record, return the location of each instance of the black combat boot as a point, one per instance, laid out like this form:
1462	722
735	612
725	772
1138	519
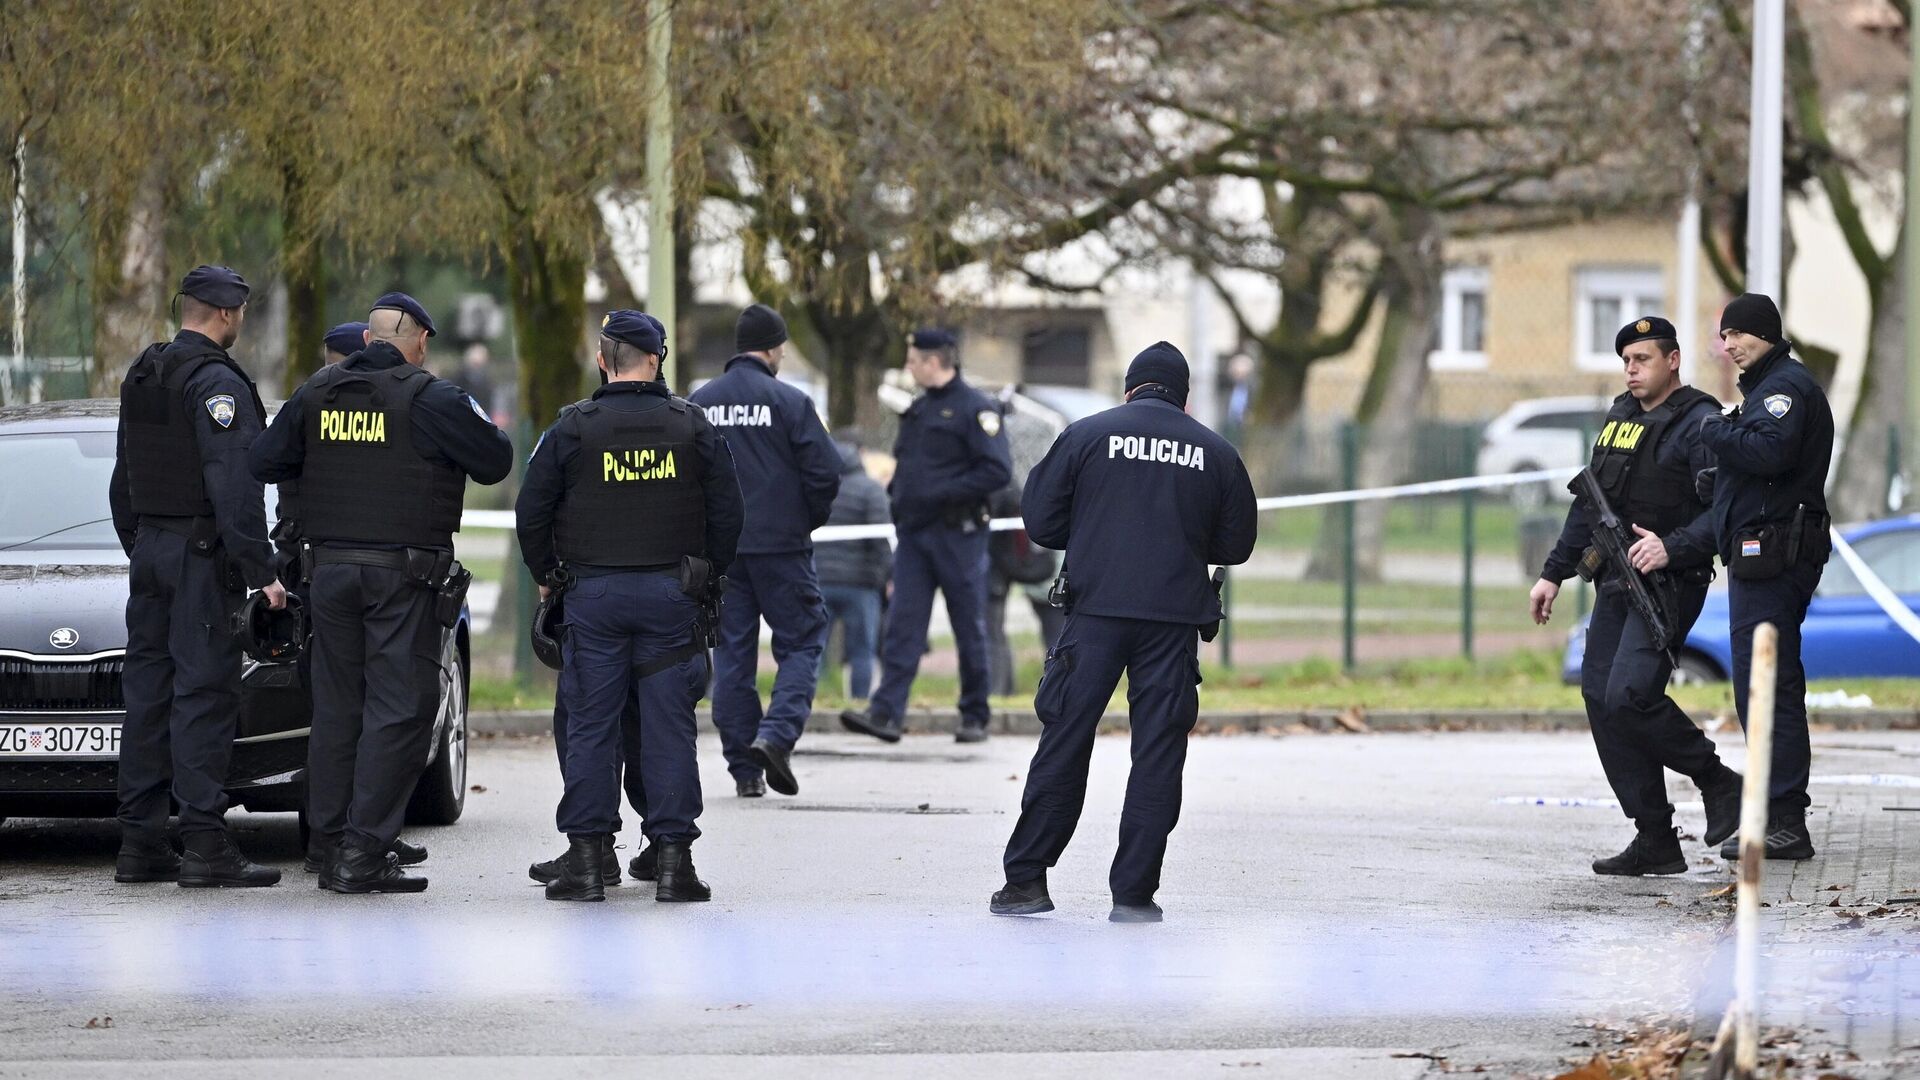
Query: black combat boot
356	870
581	876
1787	838
544	872
212	862
408	854
145	858
646	865
320	850
884	728
777	764
1022	898
1722	798
1650	853
751	788
971	733
1135	911
678	882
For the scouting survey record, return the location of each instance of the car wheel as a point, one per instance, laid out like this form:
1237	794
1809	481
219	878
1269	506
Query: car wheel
1694	669
441	794
1529	497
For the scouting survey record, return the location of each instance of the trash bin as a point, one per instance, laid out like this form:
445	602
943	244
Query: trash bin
1537	535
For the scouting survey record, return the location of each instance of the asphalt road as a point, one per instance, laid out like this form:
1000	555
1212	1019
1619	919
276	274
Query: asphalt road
1332	902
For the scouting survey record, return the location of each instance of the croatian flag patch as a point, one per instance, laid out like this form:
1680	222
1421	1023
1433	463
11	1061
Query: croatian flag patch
1749	549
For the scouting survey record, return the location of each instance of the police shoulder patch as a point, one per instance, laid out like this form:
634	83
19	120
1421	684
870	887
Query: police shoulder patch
220	407
1778	405
990	422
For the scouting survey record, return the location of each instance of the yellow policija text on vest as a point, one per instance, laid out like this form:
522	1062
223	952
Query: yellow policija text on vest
353	425
622	466
1621	435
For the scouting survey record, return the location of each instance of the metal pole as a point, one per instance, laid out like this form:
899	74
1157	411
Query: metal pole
1764	147
660	294
1740	1028
1226	622
1687	243
1349	472
1466	547
19	271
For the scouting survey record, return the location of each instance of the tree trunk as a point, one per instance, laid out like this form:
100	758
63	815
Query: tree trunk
1391	399
549	289
129	284
851	347
1862	475
303	266
1270	443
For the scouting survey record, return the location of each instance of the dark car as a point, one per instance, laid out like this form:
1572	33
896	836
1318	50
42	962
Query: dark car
63	638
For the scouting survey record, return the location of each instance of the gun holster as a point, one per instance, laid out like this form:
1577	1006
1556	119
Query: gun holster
1211	630
697	580
1059	595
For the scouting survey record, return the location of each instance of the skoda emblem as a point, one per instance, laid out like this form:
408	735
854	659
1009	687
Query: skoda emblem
64	638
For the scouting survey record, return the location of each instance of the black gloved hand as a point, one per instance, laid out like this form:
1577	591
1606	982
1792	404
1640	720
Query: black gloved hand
1703	484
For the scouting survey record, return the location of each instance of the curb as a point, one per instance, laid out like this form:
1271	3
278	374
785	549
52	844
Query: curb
524	722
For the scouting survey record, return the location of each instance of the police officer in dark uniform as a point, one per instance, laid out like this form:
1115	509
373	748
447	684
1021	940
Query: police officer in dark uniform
1646	456
344	340
950	456
382	450
789	473
633	492
1770	521
1141	498
193	524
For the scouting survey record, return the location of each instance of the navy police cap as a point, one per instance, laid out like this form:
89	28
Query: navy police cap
399	301
216	285
347	338
636	328
929	339
1645	328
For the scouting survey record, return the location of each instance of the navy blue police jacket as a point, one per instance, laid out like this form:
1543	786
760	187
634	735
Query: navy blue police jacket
1142	498
1772	456
448	428
788	468
545	483
239	504
950	455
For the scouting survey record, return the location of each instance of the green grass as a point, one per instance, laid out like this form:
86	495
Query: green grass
1520	680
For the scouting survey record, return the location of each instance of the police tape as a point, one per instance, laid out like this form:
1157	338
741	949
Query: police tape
1877	590
504	519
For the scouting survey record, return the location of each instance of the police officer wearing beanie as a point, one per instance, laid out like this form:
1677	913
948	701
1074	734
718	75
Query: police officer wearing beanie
1141	497
1647	454
633	492
1770	523
344	340
382	449
789	473
950	456
193	524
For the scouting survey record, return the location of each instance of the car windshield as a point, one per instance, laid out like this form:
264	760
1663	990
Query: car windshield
53	491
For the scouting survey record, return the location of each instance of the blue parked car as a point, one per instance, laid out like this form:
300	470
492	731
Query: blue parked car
1846	635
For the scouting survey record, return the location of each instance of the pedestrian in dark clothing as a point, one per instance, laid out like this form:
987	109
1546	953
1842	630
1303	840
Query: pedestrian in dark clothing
853	573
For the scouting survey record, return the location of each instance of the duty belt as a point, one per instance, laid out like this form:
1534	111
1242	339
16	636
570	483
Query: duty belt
390	560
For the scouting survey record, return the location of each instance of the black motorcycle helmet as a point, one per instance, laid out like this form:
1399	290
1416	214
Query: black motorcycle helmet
270	636
550	629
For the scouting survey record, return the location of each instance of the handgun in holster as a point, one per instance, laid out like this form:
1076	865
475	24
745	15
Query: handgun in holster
697	580
1209	631
1059	594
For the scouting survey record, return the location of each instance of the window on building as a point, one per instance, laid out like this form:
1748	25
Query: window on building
1057	356
1604	299
1460	338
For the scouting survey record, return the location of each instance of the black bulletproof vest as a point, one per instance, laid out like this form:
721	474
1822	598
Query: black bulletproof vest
634	496
363	480
1659	498
163	447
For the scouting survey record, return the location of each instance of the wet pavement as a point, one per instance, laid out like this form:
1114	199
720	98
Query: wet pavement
1337	905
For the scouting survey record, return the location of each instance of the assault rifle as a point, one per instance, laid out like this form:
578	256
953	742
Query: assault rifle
1653	595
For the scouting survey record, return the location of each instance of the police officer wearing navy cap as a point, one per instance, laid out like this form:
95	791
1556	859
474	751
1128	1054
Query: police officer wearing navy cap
1141	497
789	473
950	456
1770	522
633	492
344	340
382	450
193	524
1645	458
